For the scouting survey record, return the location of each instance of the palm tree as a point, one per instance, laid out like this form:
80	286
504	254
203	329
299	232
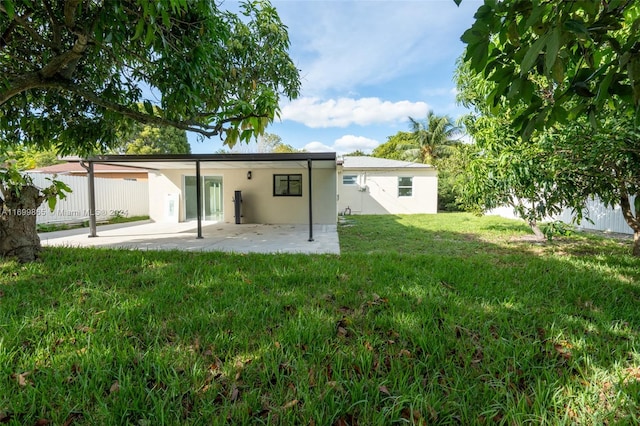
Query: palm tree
432	138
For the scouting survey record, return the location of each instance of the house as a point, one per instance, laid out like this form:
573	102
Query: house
108	171
369	185
266	188
276	188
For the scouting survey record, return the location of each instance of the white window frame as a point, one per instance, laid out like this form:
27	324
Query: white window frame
352	181
403	187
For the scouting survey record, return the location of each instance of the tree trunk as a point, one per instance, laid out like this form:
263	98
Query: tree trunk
536	230
18	232
632	221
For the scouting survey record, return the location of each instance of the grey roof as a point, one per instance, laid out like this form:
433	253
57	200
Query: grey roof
350	162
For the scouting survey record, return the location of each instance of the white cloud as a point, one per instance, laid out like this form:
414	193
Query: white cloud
350	143
343	112
317	147
345	145
341	45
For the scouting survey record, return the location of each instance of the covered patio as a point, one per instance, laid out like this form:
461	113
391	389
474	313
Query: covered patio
246	238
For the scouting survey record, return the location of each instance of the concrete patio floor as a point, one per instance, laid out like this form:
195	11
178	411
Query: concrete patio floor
243	238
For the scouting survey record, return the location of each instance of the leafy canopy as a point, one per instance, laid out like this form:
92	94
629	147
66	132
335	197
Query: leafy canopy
587	53
74	71
145	139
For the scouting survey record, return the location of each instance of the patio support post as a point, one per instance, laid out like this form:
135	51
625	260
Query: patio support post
309	162
199	200
92	199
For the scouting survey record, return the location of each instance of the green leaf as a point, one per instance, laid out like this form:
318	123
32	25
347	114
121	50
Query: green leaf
515	88
603	88
557	72
553	46
576	27
148	38
8	6
139	29
148	107
479	55
52	201
532	54
536	13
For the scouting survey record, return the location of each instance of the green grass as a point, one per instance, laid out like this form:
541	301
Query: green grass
443	319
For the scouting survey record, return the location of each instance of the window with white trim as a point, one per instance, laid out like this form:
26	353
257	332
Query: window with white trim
405	186
349	179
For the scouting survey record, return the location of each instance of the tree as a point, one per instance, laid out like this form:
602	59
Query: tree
431	138
585	52
75	71
20	200
30	157
506	170
284	148
356	153
270	142
602	163
156	140
391	148
451	177
573	66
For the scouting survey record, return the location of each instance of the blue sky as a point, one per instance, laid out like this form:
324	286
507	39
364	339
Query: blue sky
366	66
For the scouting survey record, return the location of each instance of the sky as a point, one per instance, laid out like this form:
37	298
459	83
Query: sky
366	66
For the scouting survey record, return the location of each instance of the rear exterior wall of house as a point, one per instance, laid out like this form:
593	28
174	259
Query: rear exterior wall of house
260	204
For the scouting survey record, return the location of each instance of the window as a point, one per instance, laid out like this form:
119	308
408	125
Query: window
349	179
287	185
405	186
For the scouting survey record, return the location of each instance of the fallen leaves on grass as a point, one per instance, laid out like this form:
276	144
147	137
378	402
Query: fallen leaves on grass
413	416
21	378
290	404
72	418
563	349
115	387
234	394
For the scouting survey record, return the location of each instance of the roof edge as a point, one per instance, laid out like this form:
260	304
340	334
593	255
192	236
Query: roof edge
270	156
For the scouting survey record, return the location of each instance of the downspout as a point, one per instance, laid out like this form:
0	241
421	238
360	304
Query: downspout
309	162
198	200
92	198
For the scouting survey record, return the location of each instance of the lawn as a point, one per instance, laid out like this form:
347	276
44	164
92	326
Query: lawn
434	319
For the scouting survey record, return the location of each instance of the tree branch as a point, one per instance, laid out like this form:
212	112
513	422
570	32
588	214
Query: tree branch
70	7
55	25
22	20
65	63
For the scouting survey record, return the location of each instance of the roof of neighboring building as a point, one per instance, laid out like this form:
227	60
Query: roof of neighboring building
75	167
349	162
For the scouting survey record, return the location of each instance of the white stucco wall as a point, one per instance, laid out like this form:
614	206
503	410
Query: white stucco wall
377	192
259	203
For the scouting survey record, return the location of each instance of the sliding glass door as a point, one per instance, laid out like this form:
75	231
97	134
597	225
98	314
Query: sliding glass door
212	197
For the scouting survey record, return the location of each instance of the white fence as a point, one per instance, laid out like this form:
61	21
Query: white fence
604	218
114	197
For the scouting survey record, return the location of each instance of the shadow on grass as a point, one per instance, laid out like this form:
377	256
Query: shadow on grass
423	319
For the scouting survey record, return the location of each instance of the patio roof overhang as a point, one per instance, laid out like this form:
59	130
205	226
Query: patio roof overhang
308	160
220	161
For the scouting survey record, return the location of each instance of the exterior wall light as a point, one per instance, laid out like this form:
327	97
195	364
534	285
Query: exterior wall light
249	175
